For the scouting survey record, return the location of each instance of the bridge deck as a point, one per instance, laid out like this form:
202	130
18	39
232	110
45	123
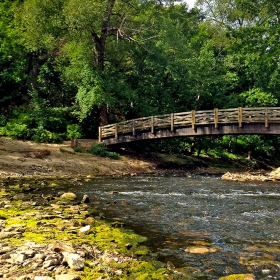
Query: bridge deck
262	120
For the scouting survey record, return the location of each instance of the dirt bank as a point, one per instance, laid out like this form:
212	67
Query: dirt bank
26	158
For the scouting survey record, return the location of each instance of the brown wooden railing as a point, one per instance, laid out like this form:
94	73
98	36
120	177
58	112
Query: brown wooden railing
265	115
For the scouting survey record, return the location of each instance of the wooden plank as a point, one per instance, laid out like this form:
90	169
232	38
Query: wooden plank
193	119
99	134
216	117
266	118
240	116
116	131
133	128
152	125
172	122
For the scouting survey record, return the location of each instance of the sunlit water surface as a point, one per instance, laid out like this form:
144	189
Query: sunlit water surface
177	212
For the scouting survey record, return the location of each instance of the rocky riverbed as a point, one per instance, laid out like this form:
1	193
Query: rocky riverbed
273	176
45	237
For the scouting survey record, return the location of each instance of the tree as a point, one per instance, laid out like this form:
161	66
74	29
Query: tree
86	38
12	57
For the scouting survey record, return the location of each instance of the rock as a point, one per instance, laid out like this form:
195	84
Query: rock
4	235
243	177
24	277
18	258
238	277
67	277
89	221
200	250
58	246
49	263
85	199
74	261
170	265
67	150
69	196
85	229
118	272
38	154
128	246
43	278
265	271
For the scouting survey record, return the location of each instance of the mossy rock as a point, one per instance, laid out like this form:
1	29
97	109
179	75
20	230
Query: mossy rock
238	277
68	196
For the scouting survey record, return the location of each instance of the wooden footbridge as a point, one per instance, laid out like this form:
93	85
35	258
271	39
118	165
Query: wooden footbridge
263	120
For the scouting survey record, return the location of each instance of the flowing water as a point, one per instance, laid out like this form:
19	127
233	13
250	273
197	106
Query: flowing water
241	219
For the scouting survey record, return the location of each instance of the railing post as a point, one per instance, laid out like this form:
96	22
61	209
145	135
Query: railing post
216	117
116	131
172	122
193	119
152	124
133	127
99	134
266	118
240	116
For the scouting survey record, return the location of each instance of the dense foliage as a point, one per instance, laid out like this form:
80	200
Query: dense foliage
67	66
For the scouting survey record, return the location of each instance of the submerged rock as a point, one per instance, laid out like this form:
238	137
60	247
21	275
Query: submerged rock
69	196
201	250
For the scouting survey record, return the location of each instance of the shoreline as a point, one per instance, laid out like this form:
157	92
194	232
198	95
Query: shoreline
59	237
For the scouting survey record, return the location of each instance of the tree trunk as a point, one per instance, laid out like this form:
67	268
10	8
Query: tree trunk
103	115
249	154
192	148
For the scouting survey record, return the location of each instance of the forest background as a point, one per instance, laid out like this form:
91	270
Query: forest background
68	66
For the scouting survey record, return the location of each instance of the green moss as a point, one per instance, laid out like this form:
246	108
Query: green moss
238	277
146	271
38	228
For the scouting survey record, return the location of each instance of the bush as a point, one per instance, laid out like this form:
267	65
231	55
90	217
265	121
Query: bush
42	135
73	131
15	131
78	149
101	151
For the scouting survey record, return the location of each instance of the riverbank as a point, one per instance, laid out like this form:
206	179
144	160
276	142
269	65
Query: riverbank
28	159
47	237
57	236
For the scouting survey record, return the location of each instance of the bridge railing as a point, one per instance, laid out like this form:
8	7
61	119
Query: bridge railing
192	119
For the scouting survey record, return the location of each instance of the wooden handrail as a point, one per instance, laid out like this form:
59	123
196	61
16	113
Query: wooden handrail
192	119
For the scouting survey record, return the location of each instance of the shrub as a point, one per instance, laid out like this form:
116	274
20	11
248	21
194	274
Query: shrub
73	131
101	151
42	135
78	149
14	130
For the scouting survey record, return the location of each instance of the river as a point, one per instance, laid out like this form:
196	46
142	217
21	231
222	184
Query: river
238	222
